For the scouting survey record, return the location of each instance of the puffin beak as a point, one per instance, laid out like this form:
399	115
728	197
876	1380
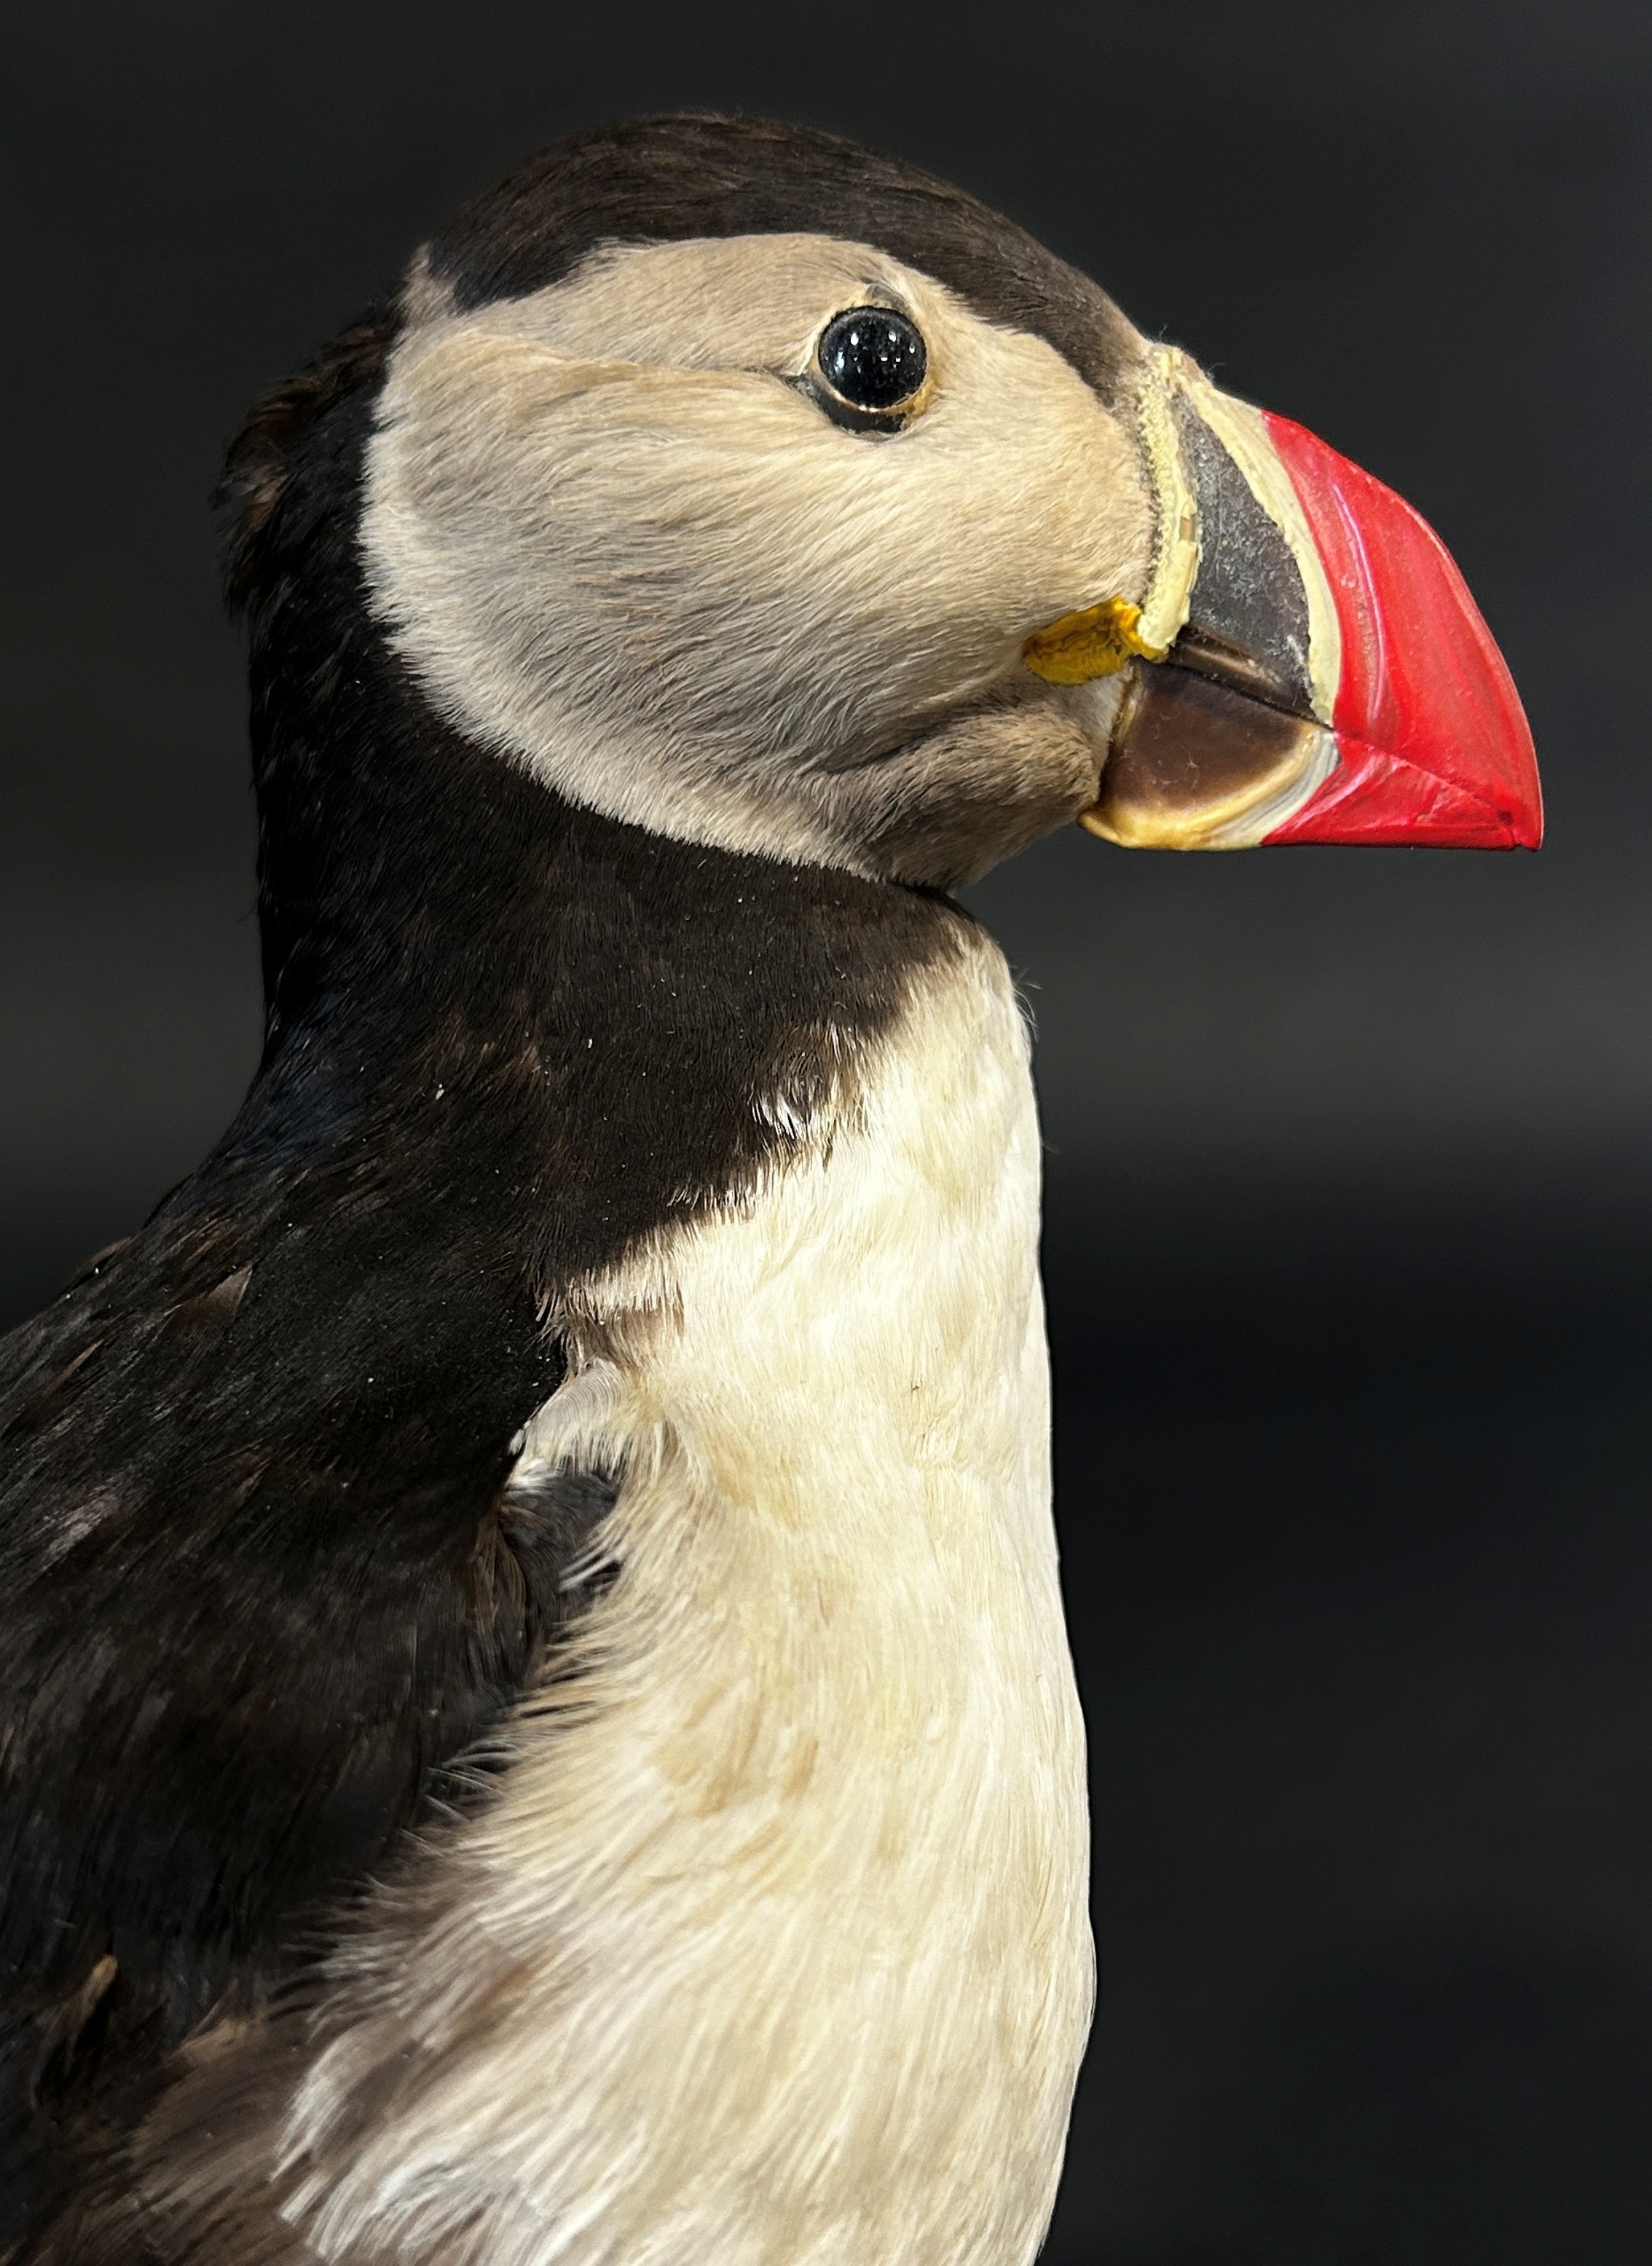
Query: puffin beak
1310	665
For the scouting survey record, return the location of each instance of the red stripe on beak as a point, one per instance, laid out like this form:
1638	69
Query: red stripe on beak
1434	744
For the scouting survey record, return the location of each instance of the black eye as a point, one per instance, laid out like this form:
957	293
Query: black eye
872	357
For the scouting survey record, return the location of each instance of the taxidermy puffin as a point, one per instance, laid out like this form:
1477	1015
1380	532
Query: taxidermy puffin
536	1724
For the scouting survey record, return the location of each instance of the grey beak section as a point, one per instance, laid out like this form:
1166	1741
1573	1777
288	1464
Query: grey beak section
1247	617
1225	737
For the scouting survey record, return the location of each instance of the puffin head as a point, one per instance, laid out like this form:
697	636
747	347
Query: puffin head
750	488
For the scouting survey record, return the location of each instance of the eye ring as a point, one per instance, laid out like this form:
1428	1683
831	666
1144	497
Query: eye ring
872	362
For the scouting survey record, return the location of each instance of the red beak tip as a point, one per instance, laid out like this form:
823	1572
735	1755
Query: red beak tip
1433	743
1374	799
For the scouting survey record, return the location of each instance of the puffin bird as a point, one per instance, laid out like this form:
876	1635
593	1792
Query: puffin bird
535	1712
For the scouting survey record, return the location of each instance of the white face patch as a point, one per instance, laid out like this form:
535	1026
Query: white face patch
615	540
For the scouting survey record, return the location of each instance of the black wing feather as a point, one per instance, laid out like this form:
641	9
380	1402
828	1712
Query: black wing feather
258	1588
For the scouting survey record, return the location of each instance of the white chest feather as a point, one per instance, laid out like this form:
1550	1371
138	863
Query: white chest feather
771	1946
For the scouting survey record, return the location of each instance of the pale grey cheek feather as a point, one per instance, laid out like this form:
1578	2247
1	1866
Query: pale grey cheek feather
1015	768
616	546
770	1946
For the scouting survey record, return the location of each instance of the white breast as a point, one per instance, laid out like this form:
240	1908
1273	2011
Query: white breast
771	1945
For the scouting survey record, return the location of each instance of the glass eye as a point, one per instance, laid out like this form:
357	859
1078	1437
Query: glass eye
872	357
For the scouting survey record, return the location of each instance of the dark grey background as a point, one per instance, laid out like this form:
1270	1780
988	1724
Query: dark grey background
1349	1217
